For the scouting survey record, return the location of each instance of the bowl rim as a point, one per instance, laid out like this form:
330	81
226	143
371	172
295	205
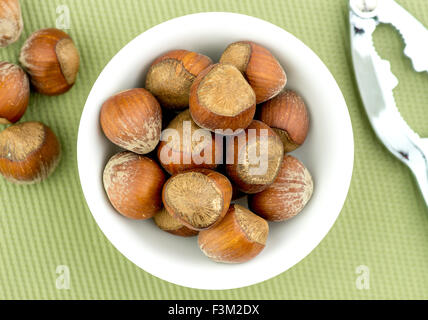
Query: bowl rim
348	134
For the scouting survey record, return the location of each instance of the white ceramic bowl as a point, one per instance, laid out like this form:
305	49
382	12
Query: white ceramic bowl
328	153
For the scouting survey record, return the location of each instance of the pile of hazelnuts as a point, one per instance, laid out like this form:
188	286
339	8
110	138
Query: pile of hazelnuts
237	109
30	151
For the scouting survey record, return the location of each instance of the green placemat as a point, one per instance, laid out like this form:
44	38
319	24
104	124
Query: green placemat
383	225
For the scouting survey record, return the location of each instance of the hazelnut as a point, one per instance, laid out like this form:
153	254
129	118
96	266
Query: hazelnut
260	67
198	198
52	61
132	119
14	93
239	237
288	195
11	24
254	157
221	98
171	75
168	223
287	115
29	152
184	153
133	184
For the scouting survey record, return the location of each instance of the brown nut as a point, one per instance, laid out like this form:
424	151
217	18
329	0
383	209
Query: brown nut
171	75
260	67
11	24
168	223
239	237
198	198
14	93
132	119
287	115
133	184
29	152
52	61
287	196
254	157
221	98
180	152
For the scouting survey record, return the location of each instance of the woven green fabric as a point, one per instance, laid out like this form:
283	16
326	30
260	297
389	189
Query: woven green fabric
383	225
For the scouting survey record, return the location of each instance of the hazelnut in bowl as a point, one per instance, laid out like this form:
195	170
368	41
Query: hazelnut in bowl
146	207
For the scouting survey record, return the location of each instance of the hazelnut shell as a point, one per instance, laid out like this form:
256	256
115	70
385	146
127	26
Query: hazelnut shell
238	167
220	98
14	93
198	198
264	73
168	223
52	60
239	237
186	157
11	24
171	75
133	184
29	152
132	119
287	115
287	196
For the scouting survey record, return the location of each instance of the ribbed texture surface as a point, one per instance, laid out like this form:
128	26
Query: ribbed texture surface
384	224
